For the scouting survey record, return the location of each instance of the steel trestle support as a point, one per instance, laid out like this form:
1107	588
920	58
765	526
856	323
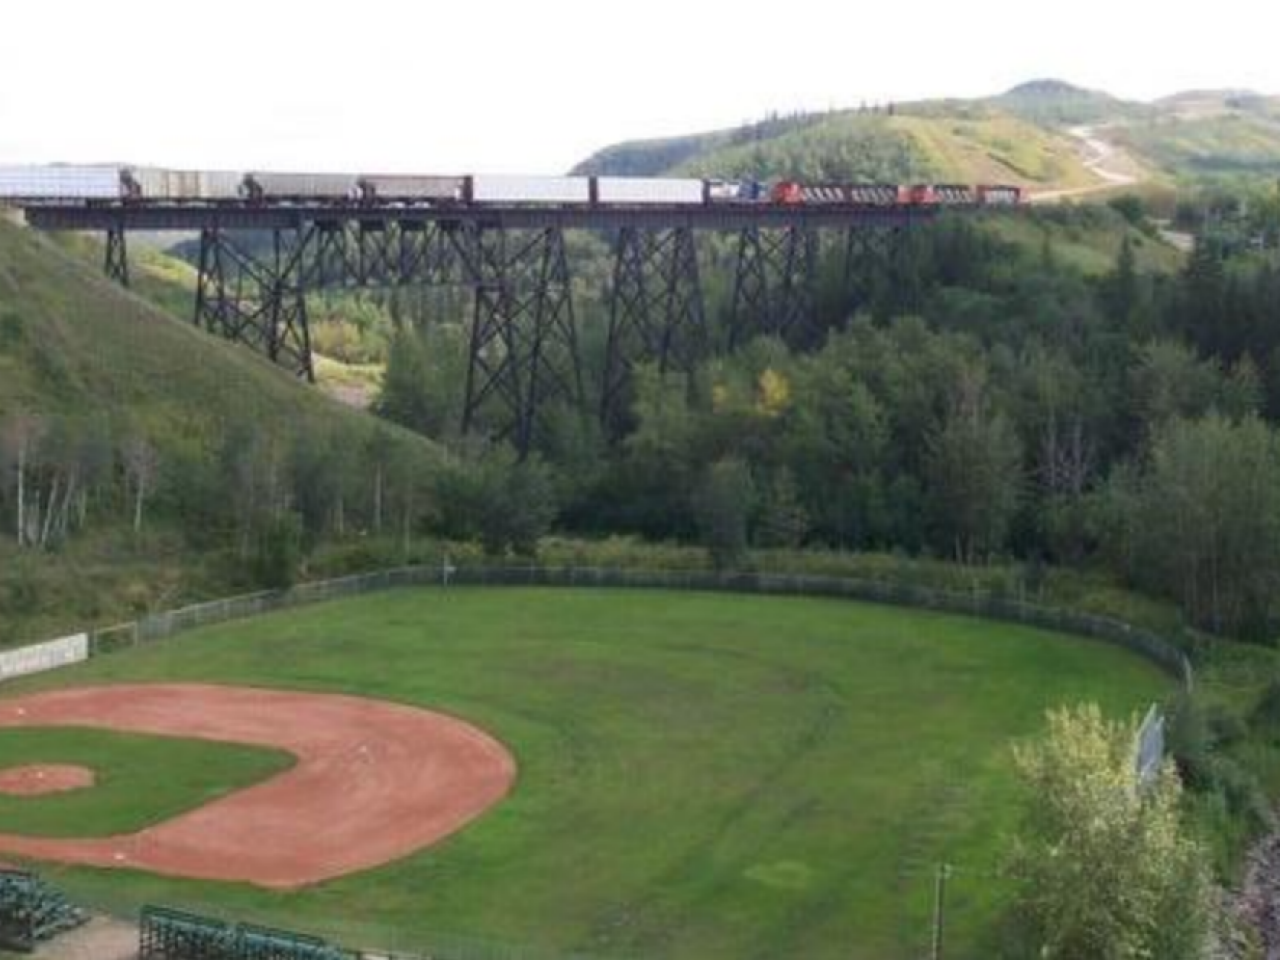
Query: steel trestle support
868	252
523	354
116	261
258	298
380	253
655	313
773	289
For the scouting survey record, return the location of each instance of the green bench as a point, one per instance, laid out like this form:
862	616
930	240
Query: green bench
32	911
168	934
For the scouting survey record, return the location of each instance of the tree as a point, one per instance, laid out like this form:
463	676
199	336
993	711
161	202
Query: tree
783	520
423	385
1121	289
1103	867
251	464
408	493
379	451
19	433
491	496
404	398
523	510
975	477
279	552
1201	522
1169	382
1205	297
141	461
722	505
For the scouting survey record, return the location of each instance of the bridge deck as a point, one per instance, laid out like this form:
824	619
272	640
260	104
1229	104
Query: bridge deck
142	216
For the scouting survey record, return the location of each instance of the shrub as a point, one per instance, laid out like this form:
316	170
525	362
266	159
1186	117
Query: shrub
279	554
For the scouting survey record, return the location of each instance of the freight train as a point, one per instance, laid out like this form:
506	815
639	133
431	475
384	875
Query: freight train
152	185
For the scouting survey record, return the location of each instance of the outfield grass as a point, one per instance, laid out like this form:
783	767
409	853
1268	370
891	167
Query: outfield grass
701	775
140	780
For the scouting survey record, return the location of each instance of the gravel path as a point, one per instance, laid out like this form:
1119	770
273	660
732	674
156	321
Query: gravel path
100	939
1259	902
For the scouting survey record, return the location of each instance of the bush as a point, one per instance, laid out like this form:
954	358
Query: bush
723	504
1266	715
491	497
1242	792
1190	742
279	554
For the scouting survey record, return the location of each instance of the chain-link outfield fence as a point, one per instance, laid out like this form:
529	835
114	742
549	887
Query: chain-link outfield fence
159	626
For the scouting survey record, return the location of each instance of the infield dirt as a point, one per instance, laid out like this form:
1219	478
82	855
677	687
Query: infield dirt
374	781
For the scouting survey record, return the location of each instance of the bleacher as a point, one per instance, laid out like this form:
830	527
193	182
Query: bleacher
168	934
31	911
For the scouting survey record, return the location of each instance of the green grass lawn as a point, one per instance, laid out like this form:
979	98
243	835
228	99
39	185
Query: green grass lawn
140	780
701	775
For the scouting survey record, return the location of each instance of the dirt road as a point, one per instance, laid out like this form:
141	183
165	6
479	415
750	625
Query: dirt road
1103	159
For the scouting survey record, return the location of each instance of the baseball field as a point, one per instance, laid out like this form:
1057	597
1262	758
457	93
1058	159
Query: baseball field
651	774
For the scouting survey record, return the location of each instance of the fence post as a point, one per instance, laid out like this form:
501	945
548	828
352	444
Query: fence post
940	908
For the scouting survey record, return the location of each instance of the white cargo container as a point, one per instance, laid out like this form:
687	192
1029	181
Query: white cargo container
220	184
517	189
153	183
407	187
648	190
59	183
309	186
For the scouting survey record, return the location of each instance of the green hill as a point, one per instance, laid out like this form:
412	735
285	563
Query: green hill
1055	102
651	158
71	342
1201	138
90	374
928	141
1028	135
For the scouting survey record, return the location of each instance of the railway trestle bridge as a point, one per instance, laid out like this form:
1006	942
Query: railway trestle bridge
258	262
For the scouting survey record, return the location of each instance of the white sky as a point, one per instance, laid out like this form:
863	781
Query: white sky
534	86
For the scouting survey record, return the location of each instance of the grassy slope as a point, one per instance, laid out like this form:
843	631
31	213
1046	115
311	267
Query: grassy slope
140	780
1019	137
169	282
962	143
73	344
701	776
1236	143
1089	244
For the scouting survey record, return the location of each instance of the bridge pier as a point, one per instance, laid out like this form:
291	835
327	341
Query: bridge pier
773	287
255	299
116	261
656	313
867	251
523	353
